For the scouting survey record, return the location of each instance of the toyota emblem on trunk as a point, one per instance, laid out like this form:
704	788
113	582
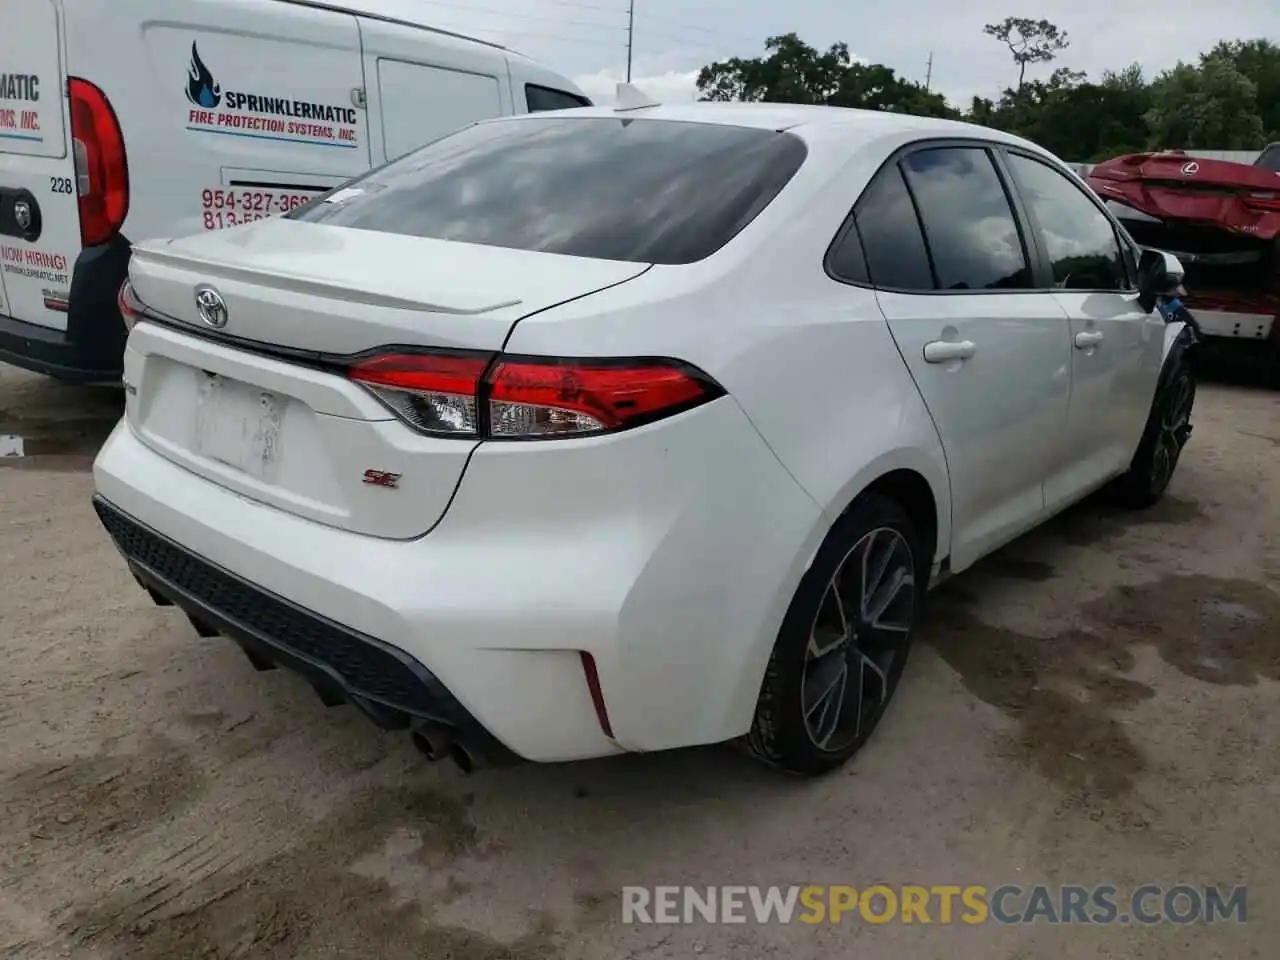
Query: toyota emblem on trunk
211	307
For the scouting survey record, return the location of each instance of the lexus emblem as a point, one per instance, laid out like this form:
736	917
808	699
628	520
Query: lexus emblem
22	214
211	307
1190	168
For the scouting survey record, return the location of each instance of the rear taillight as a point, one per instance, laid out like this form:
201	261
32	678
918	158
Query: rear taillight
546	398
1264	199
132	309
530	398
433	393
102	172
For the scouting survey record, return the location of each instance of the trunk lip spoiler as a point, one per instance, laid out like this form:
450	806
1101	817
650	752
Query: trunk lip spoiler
311	285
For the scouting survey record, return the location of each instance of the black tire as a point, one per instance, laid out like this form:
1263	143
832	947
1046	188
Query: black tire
1166	433
874	528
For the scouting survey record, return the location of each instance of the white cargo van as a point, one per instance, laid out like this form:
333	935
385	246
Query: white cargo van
123	120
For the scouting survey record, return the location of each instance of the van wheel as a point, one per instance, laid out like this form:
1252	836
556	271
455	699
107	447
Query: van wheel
843	643
1168	428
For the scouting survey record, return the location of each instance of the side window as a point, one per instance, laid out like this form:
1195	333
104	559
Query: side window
846	260
1079	240
896	256
968	222
544	98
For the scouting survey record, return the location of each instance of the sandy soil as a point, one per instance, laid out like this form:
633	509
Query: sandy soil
1095	704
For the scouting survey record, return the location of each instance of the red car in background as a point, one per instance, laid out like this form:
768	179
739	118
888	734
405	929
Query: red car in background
1222	220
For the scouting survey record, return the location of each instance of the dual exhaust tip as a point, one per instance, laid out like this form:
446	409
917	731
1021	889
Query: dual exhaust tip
438	743
435	742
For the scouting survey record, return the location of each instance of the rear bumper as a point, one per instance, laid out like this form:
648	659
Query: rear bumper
91	349
386	684
1240	326
669	554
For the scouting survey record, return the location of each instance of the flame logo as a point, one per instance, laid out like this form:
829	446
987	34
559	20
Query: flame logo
202	89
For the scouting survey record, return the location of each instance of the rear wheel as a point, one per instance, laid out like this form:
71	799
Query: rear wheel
1168	428
843	643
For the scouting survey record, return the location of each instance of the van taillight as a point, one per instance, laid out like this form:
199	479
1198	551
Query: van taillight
480	396
102	172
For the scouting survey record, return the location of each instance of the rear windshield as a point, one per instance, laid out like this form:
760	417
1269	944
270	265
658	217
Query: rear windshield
1270	158
645	191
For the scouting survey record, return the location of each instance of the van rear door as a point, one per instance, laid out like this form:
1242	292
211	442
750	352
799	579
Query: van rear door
261	109
39	211
425	85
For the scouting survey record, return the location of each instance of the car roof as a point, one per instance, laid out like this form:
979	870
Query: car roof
408	13
812	122
412	13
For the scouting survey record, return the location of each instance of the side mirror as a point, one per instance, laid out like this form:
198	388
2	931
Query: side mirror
1160	274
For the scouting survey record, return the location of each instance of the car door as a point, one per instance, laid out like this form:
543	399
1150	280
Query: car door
990	353
1117	346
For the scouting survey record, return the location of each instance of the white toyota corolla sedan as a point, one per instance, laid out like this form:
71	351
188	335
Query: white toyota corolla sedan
602	430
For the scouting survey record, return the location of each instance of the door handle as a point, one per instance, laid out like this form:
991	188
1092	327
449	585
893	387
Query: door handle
1087	339
940	351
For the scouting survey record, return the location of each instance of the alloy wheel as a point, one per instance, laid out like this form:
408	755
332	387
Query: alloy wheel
1175	427
862	627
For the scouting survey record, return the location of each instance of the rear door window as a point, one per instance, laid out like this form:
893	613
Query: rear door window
896	257
968	222
545	98
645	191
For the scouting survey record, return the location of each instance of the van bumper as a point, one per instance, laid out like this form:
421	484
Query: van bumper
91	349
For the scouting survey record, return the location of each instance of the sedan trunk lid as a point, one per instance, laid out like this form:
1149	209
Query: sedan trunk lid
261	404
338	290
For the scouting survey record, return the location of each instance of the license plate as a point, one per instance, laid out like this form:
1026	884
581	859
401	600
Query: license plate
239	425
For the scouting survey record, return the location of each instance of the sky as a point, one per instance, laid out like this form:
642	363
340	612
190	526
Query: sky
586	39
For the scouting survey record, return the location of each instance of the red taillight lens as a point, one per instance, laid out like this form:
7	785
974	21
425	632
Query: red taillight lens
436	393
102	172
524	398
540	398
132	309
1264	199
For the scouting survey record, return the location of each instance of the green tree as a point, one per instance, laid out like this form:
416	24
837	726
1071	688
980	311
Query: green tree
1229	99
1030	41
791	72
1259	60
1124	97
794	72
1212	106
1074	118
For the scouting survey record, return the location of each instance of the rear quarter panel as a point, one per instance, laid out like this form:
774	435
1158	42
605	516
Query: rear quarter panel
809	360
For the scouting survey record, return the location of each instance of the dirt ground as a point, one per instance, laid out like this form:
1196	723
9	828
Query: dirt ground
1096	704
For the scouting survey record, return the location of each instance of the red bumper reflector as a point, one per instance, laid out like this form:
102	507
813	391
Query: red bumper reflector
597	695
